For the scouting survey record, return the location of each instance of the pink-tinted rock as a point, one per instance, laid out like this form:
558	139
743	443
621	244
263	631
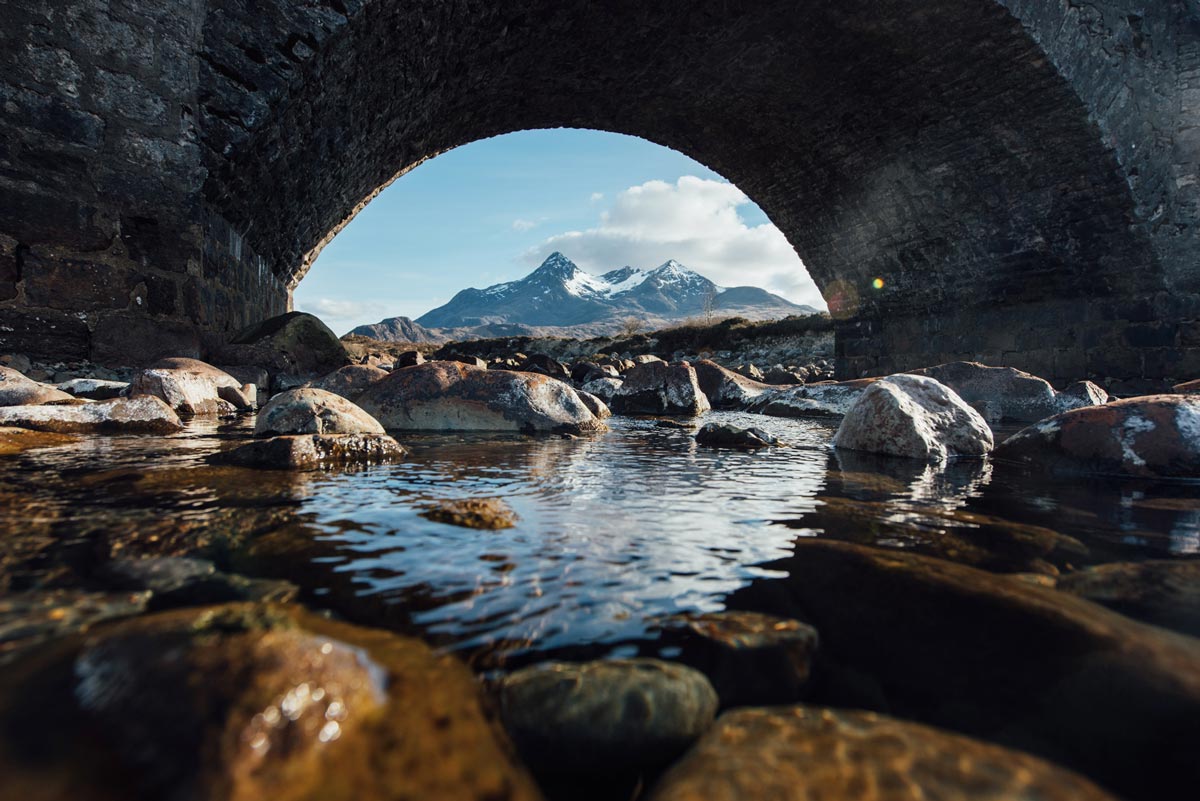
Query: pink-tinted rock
350	381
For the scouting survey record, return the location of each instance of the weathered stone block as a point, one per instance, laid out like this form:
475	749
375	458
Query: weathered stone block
43	334
74	284
135	341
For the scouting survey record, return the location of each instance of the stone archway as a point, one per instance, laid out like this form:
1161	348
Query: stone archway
1020	175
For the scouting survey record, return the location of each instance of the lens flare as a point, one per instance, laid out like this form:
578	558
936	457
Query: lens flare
877	283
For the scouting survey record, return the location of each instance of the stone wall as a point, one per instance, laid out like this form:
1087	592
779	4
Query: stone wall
1020	176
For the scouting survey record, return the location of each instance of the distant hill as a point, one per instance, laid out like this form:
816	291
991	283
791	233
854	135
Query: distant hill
560	299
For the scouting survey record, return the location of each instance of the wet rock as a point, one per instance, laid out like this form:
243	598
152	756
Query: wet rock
409	358
811	400
1151	436
174	581
18	390
1162	592
594	404
248	701
722	435
483	513
995	657
94	388
1188	387
313	411
1001	393
18	440
28	619
1082	393
546	365
350	381
625	714
750	658
655	387
295	344
307	451
726	389
603	388
141	415
800	753
916	417
450	396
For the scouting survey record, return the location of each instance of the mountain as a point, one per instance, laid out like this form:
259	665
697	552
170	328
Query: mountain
398	329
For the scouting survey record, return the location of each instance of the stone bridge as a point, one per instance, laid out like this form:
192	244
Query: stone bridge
1021	174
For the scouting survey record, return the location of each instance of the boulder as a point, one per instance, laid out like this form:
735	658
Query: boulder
800	753
16	361
620	714
308	451
94	388
995	657
1154	436
726	389
249	374
141	415
655	387
482	513
313	411
1188	387
1082	393
750	371
723	435
645	358
603	388
1001	393
295	345
249	701
18	390
1164	592
831	399
350	381
451	396
473	361
546	365
19	440
594	404
780	375
583	372
192	387
409	358
916	417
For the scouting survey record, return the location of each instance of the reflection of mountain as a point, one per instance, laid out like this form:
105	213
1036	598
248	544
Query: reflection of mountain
558	295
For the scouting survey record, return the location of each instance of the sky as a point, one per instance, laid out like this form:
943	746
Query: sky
491	211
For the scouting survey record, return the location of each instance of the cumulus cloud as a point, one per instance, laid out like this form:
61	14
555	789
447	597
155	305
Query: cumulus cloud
597	197
525	225
695	221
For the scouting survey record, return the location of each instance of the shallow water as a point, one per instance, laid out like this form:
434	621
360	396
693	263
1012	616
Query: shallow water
615	533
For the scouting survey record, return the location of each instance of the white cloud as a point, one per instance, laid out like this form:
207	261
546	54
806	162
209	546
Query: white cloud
342	315
525	225
695	221
597	197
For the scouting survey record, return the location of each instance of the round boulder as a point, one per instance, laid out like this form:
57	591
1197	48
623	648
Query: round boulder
18	390
313	411
350	381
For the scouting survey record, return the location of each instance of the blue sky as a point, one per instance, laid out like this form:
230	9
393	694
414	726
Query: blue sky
492	210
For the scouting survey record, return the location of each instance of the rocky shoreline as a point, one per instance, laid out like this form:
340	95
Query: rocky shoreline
173	678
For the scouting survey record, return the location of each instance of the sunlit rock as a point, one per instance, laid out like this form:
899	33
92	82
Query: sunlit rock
308	451
1080	394
624	714
800	753
831	399
594	404
483	513
724	388
603	388
1160	591
1151	436
246	702
313	411
193	388
452	396
1005	393
350	381
140	415
94	388
916	417
18	390
655	387
723	435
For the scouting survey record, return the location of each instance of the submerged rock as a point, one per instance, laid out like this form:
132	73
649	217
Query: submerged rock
723	435
350	381
313	411
655	387
248	702
18	390
726	389
483	513
18	440
451	396
94	388
993	657
830	399
916	417
621	714
800	753
305	451
28	619
1003	393
1162	592
174	581
1156	436
141	415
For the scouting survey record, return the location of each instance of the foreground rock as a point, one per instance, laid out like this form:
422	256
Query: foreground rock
655	387
28	619
750	658
1004	393
1188	387
603	388
245	702
802	753
1157	436
1045	671
722	435
19	440
313	411
483	513
174	581
830	399
916	417
141	415
18	390
350	381
725	389
295	346
625	714
1162	592
451	396
594	404
94	388
194	388
308	451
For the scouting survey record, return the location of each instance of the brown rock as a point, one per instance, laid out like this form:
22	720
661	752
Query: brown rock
1164	592
18	390
17	440
350	381
726	389
655	387
306	451
313	411
192	387
483	513
801	753
141	415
